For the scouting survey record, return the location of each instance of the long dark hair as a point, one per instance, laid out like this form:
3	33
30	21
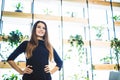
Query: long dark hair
33	43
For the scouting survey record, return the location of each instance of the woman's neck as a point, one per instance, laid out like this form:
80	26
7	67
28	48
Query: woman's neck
39	38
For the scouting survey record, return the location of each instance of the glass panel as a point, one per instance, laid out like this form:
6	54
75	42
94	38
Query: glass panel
51	8
73	9
72	64
96	18
54	35
12	25
0	7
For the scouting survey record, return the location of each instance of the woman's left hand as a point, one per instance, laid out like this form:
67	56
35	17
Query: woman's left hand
51	70
47	69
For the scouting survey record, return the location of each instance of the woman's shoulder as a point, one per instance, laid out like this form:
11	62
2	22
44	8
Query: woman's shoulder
24	42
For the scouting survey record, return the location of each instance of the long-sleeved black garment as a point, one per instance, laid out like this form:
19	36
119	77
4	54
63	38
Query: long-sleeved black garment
38	61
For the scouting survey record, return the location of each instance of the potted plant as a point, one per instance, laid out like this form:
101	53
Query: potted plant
71	13
115	45
77	43
106	60
47	11
14	38
19	7
99	31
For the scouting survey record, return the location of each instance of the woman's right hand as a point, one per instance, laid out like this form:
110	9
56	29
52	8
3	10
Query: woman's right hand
28	69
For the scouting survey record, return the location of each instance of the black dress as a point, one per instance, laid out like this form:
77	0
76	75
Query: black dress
38	61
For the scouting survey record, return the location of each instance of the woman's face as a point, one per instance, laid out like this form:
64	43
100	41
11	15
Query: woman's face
40	30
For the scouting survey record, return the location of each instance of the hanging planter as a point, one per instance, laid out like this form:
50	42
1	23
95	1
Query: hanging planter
76	42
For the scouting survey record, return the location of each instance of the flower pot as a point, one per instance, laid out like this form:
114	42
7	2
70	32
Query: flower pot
18	10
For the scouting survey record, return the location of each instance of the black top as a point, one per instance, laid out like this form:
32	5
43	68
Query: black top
38	61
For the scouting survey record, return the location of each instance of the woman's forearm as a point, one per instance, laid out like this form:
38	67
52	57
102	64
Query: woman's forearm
56	68
14	66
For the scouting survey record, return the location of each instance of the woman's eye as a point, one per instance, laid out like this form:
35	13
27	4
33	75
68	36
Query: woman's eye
38	26
44	28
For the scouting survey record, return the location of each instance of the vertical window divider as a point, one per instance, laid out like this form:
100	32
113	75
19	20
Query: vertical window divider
32	11
61	28
87	4
1	21
111	6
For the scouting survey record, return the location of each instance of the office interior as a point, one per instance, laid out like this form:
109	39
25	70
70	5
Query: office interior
95	23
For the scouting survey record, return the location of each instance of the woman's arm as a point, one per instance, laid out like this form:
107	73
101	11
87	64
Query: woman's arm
54	70
27	70
14	66
51	70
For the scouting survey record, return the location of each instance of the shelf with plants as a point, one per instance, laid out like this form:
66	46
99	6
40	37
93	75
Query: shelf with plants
97	2
6	65
13	40
116	19
16	14
104	66
96	43
43	16
117	23
105	3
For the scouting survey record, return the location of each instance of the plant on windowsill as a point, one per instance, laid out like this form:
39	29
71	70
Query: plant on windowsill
19	7
115	45
99	32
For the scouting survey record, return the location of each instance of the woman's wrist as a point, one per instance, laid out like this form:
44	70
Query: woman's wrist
21	72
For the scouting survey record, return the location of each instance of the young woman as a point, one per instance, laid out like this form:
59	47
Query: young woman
39	52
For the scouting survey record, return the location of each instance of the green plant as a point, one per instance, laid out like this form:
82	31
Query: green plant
14	38
99	31
78	43
19	7
115	44
3	58
71	13
47	11
75	41
10	77
107	59
116	17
